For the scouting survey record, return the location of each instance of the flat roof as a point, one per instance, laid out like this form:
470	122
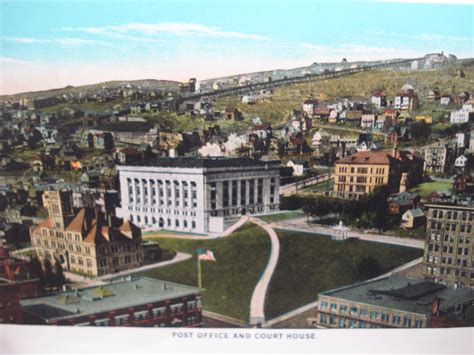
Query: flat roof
128	292
216	162
413	295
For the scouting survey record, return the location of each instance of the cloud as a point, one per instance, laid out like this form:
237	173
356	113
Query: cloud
66	41
427	37
167	28
10	60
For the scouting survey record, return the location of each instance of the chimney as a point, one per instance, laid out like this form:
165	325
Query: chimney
394	151
435	304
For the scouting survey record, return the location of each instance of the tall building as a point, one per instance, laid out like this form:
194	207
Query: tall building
437	157
132	302
449	256
361	172
197	195
395	302
86	241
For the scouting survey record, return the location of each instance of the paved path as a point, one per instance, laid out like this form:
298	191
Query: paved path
83	281
257	303
299	185
301	225
226	233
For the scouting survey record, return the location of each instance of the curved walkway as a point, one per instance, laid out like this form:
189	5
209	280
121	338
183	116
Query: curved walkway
226	233
84	281
257	303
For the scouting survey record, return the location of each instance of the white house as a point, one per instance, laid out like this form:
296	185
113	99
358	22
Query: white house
248	99
379	99
309	107
320	137
367	121
460	162
445	100
460	140
469	105
461	116
299	166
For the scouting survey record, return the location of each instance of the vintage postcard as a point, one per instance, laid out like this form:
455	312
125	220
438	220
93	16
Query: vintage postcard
270	170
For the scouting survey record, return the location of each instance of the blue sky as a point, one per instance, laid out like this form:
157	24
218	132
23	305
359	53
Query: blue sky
46	44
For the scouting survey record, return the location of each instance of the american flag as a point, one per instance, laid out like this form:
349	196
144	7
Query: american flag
204	254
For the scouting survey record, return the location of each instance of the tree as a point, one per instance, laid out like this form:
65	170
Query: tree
368	268
48	273
420	131
37	269
59	278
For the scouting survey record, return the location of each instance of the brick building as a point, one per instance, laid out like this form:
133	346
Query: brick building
361	172
395	302
449	256
86	240
132	301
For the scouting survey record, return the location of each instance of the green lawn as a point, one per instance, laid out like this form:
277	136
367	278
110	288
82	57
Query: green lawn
278	217
321	187
310	264
426	188
228	282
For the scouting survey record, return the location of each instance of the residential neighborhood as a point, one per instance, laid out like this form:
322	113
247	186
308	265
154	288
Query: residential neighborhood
335	192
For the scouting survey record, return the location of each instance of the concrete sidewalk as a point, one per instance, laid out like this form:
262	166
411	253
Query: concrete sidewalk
209	236
300	225
257	303
84	281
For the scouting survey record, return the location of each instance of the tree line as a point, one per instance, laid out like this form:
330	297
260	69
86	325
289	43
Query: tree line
49	275
369	211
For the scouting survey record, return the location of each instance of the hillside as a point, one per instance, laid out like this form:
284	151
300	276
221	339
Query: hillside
356	86
147	84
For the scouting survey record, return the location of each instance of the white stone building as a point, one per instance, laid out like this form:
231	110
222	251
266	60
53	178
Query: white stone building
197	195
461	116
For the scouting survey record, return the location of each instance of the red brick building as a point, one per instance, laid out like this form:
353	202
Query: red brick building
134	302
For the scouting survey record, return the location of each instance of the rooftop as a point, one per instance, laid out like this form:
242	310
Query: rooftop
125	293
214	162
402	293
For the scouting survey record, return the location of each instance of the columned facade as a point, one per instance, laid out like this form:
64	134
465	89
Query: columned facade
197	195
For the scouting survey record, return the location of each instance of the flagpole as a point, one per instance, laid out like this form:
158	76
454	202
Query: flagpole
199	271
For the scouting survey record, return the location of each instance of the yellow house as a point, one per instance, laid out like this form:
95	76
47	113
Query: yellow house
427	119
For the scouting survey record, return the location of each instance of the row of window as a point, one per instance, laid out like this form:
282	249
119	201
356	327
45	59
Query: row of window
341	322
363	313
451	238
448	249
161	222
465	216
362	170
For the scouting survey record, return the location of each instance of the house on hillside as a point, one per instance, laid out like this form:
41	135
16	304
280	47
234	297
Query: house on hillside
461	162
233	113
379	99
445	100
413	218
300	166
309	107
406	98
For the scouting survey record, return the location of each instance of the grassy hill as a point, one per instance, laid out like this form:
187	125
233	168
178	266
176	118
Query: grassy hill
356	86
165	85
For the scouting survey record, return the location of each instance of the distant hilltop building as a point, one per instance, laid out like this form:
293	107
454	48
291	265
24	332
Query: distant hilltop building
197	195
